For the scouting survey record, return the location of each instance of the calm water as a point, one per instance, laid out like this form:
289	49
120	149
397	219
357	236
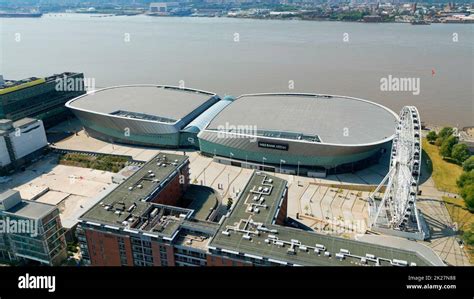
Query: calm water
204	54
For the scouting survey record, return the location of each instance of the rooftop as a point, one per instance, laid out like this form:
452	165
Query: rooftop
203	200
315	118
8	86
130	200
31	209
246	232
149	102
7	125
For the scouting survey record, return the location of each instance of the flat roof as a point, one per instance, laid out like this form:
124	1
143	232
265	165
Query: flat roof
266	243
203	201
167	103
150	178
333	119
17	124
31	209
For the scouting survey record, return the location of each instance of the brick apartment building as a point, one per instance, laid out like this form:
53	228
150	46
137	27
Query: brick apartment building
143	223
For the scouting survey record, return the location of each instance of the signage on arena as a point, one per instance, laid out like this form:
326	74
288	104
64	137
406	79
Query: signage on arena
277	146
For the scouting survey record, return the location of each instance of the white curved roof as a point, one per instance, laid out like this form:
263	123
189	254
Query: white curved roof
167	102
334	119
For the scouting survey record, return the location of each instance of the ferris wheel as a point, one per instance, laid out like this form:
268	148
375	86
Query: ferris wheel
396	211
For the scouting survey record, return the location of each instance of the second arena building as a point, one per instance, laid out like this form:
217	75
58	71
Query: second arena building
303	133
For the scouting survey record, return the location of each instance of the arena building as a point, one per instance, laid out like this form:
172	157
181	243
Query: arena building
152	115
300	133
307	134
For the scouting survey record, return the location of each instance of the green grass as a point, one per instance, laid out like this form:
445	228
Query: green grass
99	162
463	218
444	173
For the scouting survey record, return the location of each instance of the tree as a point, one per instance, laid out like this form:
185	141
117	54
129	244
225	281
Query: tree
460	152
468	235
438	141
445	133
431	136
447	146
467	194
465	179
468	165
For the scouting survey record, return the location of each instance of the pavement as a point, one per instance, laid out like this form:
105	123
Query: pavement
72	189
442	229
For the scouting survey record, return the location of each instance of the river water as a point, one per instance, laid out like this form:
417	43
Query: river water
237	56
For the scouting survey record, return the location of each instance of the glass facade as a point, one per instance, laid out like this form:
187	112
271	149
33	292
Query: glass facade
42	101
46	244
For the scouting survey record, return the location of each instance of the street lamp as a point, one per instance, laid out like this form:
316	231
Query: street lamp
298	171
263	160
281	161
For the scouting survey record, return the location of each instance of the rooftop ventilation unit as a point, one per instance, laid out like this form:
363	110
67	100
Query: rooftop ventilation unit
319	246
399	262
154	212
133	206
